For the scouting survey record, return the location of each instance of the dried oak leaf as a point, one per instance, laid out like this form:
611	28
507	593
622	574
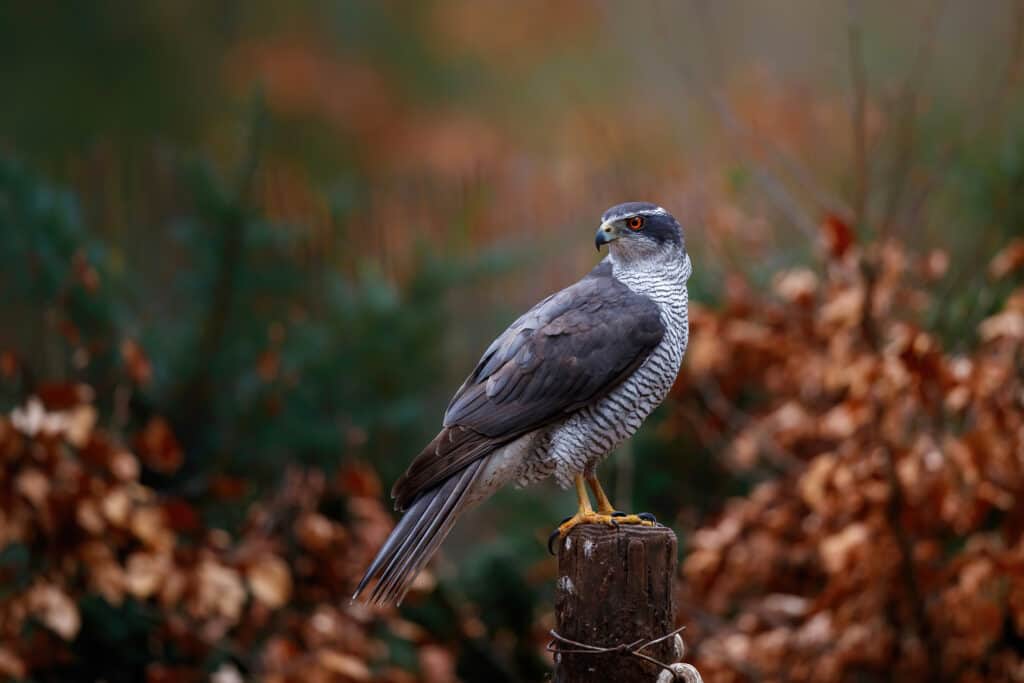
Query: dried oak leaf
839	550
55	609
837	235
11	665
344	664
270	581
799	285
136	362
219	591
145	573
1009	259
34	486
158	447
437	665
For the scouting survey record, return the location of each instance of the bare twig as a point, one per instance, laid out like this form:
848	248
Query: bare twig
858	116
908	102
1013	73
908	573
737	421
791	170
765	177
869	263
195	392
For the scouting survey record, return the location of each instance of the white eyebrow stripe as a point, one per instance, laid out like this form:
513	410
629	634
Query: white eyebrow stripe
657	211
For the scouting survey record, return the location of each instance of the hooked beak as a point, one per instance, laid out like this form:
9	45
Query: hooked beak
608	232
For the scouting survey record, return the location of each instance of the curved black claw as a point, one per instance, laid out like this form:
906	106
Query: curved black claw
555	533
551	539
647	517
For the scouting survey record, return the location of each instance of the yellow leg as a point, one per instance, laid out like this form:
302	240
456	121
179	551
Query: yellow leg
605	507
585	513
603	504
582	499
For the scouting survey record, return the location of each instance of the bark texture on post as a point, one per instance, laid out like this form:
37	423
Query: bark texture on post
615	586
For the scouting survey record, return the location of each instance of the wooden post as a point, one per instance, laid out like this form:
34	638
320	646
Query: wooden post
615	587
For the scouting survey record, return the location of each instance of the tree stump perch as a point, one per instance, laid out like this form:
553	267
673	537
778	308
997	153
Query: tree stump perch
615	588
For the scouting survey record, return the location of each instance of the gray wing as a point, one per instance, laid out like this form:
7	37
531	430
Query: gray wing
564	353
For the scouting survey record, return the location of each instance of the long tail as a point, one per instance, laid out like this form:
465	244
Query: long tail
416	537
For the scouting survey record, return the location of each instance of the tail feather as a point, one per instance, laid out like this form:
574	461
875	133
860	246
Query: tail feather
416	537
401	566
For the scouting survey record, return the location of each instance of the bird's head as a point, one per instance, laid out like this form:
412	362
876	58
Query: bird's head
640	231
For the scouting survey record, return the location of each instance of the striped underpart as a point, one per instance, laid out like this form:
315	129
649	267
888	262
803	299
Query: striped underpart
583	440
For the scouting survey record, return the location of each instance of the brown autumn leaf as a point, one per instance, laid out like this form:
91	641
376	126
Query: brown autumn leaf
8	364
89	516
219	591
799	285
158	447
55	609
33	419
314	531
11	665
139	368
62	396
124	466
145	573
1008	324
837	235
79	424
1009	259
359	479
148	523
844	309
33	485
223	487
268	365
437	665
117	506
838	550
270	581
352	668
181	516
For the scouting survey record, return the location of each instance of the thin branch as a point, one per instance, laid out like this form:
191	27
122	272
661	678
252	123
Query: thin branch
858	116
791	169
737	421
196	390
908	573
906	139
1013	73
770	184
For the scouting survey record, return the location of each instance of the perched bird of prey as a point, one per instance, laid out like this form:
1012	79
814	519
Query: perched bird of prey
553	395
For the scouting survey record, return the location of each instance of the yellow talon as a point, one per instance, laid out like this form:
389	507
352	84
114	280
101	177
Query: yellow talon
588	518
606	513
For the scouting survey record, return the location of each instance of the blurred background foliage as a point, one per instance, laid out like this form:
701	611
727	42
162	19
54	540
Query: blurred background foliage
253	247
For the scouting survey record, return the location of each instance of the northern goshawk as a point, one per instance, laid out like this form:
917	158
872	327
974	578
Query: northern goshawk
553	395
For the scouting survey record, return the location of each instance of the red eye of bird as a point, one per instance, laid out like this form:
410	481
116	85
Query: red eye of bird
635	223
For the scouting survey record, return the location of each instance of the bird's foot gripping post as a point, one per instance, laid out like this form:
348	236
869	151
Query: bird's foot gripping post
614	606
606	513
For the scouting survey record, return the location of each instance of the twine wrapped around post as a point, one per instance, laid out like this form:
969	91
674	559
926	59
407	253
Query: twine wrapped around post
614	607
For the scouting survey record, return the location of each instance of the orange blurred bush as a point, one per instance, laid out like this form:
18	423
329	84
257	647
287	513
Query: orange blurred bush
883	540
271	604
